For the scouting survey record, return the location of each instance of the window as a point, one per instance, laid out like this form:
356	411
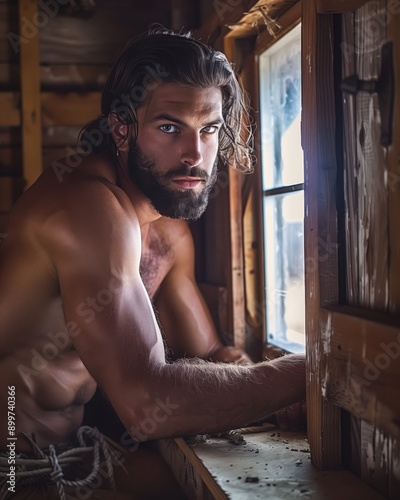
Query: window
283	195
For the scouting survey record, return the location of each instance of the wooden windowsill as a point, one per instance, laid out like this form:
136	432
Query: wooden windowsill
273	464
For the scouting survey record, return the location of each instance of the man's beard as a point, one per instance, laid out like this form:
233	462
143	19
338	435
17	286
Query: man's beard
173	203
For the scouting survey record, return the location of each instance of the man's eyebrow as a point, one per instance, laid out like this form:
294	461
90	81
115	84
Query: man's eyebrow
170	118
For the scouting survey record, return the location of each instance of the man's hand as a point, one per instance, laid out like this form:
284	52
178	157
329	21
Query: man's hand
230	354
293	417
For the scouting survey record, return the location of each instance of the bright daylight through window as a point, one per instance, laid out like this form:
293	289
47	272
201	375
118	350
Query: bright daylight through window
283	195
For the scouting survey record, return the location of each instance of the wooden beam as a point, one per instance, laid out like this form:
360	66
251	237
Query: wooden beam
363	370
199	467
236	231
324	419
215	27
393	34
338	6
30	96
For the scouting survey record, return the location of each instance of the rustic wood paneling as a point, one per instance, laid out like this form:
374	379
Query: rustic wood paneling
361	374
99	38
57	76
324	422
373	256
393	34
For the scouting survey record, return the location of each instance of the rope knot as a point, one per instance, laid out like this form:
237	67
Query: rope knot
57	472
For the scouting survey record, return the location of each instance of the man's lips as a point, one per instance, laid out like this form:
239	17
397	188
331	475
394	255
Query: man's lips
187	182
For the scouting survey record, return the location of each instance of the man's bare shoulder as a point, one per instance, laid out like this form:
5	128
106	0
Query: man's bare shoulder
85	203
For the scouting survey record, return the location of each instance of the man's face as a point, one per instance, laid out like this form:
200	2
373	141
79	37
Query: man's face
174	158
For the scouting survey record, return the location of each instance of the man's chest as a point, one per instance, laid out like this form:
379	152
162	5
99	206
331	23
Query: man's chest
157	259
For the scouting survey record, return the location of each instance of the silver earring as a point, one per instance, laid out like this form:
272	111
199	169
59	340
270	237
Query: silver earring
117	153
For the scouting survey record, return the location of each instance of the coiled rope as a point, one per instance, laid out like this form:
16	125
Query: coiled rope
49	468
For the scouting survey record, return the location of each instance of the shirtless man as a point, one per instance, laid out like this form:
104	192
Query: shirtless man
89	248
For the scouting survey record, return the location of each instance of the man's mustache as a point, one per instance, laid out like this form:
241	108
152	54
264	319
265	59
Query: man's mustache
186	172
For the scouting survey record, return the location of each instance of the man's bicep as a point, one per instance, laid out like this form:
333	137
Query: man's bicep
113	329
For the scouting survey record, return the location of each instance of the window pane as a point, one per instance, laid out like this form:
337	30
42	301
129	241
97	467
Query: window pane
280	78
284	269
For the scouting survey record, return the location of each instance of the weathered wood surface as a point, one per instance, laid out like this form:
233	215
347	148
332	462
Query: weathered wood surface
273	464
373	256
393	165
57	77
324	424
362	373
71	38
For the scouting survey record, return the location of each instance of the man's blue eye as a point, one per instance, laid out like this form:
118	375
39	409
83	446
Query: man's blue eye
169	129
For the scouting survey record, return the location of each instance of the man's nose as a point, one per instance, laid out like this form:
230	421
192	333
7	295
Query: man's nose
192	150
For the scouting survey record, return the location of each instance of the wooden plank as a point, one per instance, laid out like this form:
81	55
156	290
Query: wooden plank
323	418
338	6
10	113
263	16
30	96
275	465
72	77
371	168
393	152
236	231
362	372
201	470
214	29
72	109
98	38
287	21
375	454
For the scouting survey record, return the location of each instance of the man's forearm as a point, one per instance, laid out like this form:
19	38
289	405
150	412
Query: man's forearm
206	397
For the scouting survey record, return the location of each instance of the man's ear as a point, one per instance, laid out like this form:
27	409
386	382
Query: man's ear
119	132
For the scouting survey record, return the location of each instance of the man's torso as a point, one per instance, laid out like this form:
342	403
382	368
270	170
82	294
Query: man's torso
37	354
